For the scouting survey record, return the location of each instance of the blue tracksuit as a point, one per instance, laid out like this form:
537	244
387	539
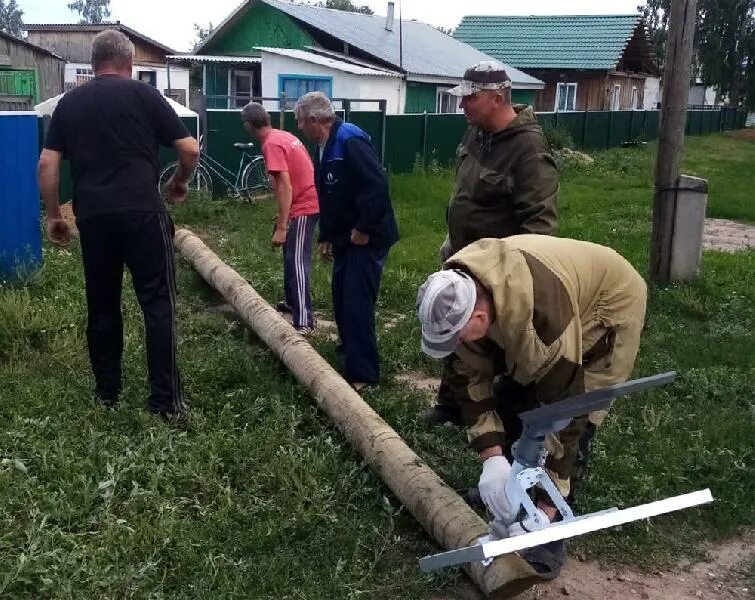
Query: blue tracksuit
353	193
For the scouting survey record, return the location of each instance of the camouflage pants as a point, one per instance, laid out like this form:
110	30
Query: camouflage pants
609	360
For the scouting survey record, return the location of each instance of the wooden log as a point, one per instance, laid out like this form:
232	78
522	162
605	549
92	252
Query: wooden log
443	514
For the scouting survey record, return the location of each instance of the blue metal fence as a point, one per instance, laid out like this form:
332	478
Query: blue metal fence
20	235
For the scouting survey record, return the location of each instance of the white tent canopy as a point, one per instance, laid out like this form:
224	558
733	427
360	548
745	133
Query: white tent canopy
47	107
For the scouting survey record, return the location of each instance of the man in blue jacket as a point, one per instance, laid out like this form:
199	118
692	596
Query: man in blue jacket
357	228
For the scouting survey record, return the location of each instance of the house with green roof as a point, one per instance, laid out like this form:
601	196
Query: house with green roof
275	48
588	62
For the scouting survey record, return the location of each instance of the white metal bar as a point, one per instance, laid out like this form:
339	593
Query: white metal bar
591	523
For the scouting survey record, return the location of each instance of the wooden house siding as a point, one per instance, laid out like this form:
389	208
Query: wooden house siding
49	72
76	46
594	89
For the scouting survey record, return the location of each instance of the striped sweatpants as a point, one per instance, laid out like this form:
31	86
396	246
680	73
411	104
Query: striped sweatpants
297	264
142	242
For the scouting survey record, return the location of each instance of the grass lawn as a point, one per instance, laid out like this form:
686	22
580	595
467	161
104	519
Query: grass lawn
262	498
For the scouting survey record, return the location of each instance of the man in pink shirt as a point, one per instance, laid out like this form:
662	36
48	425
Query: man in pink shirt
292	172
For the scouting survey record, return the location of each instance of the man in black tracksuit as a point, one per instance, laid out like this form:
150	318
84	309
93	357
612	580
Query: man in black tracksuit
357	228
110	129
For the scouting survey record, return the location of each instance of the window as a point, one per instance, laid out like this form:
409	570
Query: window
616	98
295	86
83	75
149	77
446	103
635	98
566	96
242	85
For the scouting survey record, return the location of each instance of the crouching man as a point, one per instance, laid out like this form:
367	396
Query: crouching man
531	320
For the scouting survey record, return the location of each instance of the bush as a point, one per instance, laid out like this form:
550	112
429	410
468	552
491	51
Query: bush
557	137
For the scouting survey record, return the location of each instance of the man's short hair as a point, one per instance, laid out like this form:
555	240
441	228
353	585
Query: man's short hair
256	115
317	105
111	47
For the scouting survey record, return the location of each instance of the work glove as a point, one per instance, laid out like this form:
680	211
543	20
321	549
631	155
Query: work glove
528	524
495	472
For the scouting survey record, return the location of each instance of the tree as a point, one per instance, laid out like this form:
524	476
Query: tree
725	40
91	11
202	33
655	13
724	44
346	5
10	18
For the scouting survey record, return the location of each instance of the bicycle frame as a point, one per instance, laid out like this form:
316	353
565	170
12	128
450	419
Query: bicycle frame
225	175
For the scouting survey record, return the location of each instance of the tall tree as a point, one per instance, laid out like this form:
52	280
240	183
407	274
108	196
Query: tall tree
91	11
655	13
202	33
10	18
724	44
725	39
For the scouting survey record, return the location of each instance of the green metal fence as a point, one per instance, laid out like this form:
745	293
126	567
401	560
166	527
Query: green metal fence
409	137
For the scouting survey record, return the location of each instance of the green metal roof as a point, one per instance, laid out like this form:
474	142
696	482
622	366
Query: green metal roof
551	42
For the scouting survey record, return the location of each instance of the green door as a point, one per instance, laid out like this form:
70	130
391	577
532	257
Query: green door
18	83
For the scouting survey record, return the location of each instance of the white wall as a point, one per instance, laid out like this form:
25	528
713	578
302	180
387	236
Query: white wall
345	85
179	76
652	93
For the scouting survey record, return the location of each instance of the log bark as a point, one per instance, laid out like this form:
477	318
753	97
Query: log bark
442	513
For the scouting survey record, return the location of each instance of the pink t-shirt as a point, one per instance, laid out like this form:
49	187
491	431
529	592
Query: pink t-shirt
283	151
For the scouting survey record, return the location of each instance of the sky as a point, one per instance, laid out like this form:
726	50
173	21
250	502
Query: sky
171	22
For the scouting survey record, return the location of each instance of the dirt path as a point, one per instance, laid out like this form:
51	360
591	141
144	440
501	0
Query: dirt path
729	236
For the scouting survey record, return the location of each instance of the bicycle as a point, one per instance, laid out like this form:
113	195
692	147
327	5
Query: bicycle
249	182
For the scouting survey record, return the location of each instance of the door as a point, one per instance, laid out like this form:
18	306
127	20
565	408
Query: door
242	83
18	83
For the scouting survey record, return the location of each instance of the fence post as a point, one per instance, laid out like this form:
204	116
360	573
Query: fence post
610	127
690	201
584	129
346	110
631	126
383	104
424	139
202	110
282	108
645	126
556	121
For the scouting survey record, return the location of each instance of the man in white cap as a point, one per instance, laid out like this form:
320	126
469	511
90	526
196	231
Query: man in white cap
557	317
506	182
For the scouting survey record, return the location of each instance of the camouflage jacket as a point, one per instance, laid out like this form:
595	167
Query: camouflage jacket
506	183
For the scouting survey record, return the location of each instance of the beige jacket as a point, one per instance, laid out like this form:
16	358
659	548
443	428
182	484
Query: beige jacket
567	318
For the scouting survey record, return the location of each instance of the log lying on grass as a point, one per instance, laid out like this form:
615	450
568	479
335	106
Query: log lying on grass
443	514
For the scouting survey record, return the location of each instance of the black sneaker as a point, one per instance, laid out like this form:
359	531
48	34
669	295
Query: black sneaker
440	414
282	307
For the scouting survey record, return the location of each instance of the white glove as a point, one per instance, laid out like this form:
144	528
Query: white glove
495	472
529	524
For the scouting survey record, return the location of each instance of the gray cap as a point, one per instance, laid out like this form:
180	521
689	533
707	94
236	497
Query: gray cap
444	305
485	75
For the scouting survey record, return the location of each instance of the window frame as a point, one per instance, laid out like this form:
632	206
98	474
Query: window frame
566	85
288	104
232	100
440	92
616	97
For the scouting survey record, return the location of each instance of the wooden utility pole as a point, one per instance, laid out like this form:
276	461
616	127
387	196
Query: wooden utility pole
676	80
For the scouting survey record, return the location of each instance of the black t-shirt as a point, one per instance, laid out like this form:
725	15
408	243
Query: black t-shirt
110	130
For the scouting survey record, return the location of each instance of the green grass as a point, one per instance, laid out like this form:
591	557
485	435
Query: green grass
262	497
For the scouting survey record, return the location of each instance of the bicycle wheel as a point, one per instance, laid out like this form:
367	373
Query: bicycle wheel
255	182
200	182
